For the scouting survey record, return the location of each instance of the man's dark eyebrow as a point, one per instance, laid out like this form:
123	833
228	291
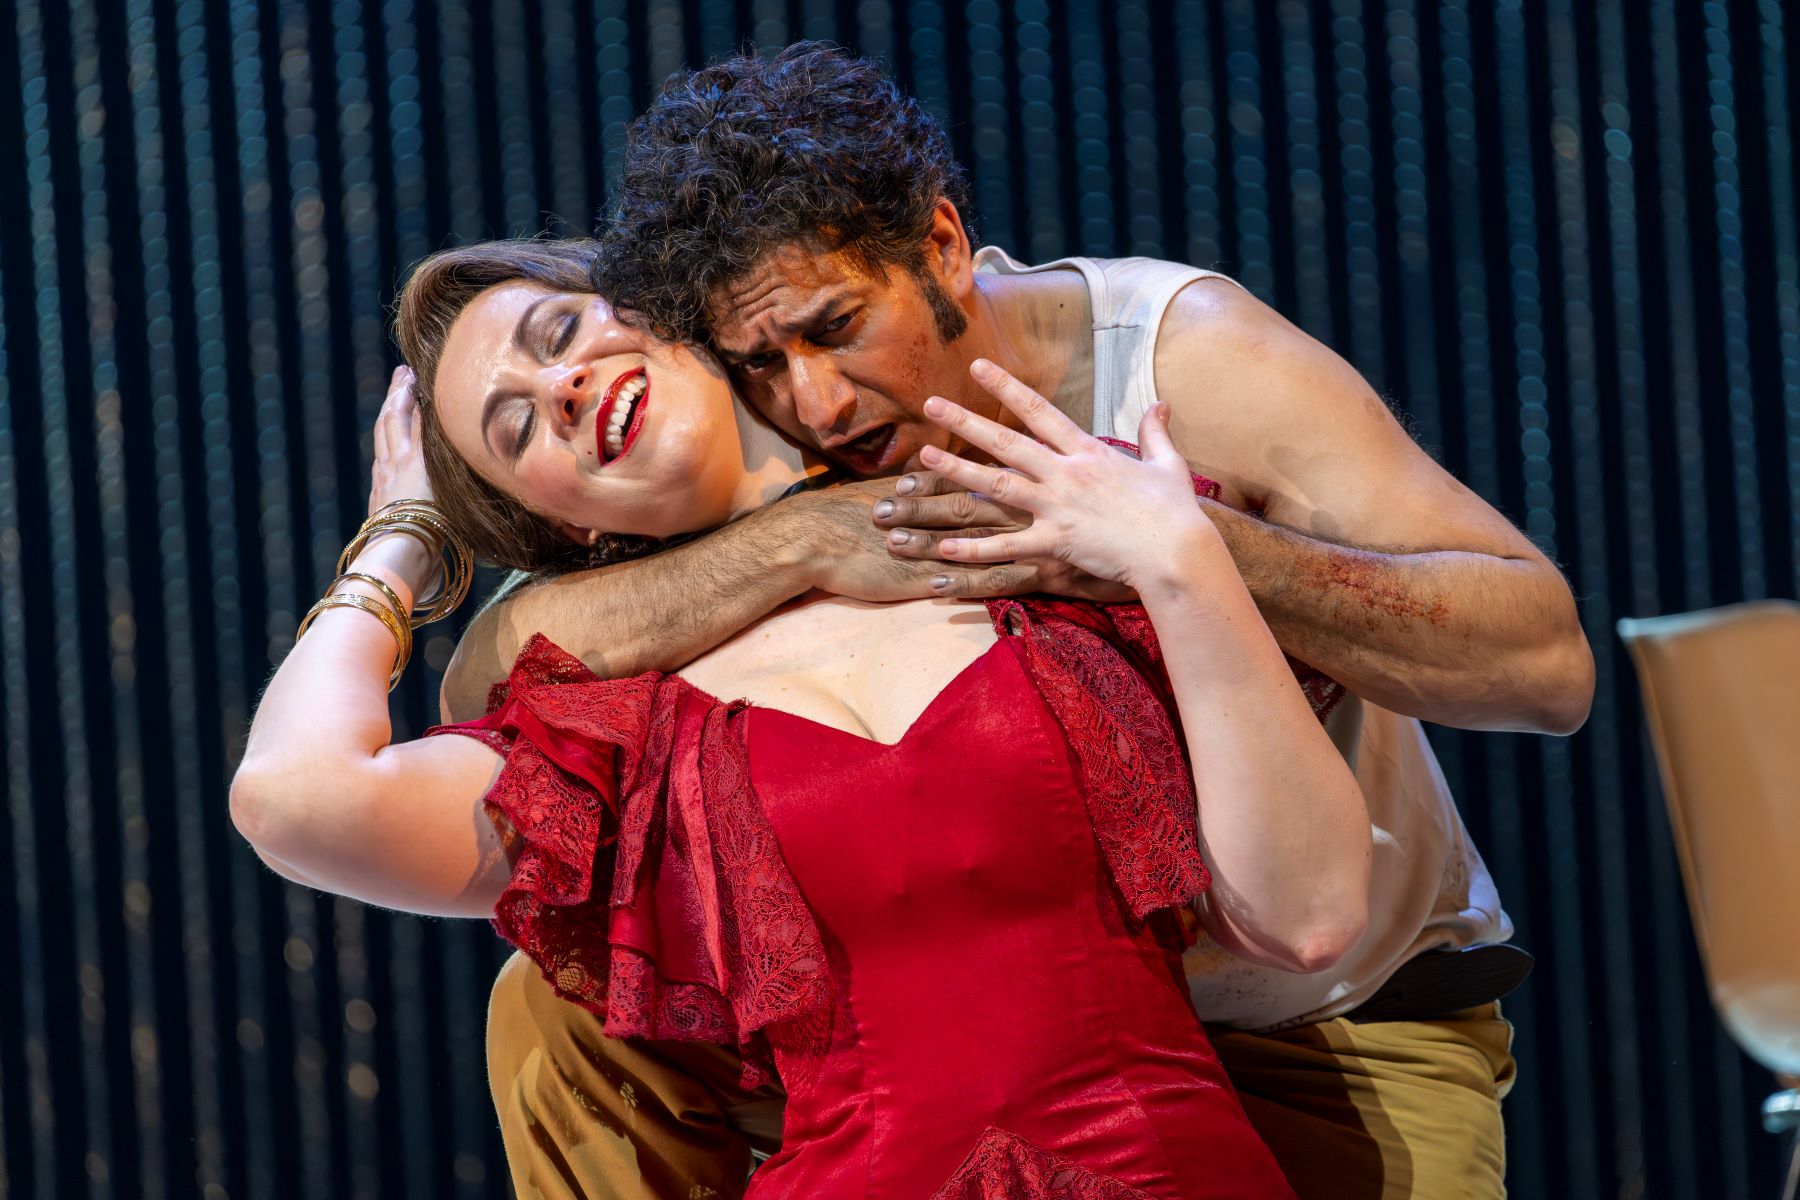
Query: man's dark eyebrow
813	315
798	324
522	340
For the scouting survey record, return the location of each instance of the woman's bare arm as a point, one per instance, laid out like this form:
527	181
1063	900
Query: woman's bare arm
326	798
1283	826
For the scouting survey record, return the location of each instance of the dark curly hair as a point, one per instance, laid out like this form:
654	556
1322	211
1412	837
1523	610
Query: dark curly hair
747	155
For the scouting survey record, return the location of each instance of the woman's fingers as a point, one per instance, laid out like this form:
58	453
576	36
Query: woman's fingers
996	483
399	391
924	543
1046	422
1154	442
995	548
1005	445
406	416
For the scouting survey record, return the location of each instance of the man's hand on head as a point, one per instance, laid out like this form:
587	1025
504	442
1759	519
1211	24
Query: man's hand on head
923	508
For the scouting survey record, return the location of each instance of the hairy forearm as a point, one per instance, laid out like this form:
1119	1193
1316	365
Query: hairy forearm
1459	638
1283	825
650	614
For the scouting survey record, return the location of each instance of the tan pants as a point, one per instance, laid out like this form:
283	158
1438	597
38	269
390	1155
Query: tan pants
1382	1111
1395	1110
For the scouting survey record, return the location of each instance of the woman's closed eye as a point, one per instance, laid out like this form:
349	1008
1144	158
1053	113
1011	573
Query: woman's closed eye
527	423
562	335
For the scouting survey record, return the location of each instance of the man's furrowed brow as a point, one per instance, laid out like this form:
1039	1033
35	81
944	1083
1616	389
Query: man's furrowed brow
784	324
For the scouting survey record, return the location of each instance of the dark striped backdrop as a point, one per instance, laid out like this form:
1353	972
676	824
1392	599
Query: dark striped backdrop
1560	234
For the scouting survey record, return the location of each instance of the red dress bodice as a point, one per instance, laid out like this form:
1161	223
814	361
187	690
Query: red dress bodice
958	950
989	982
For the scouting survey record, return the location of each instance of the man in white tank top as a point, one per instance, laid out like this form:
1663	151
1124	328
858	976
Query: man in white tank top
1379	1076
1431	891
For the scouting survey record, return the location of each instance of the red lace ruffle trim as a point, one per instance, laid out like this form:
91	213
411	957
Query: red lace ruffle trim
1004	1166
648	886
1140	794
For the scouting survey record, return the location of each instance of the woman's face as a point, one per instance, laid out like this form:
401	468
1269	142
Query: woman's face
589	422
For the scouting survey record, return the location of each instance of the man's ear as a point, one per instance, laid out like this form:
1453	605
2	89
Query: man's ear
948	252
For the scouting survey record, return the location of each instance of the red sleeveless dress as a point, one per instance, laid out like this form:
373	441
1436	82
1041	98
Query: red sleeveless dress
959	951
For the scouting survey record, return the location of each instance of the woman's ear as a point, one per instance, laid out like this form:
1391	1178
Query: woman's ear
579	535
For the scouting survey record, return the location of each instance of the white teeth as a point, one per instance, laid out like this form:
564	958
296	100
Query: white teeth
629	393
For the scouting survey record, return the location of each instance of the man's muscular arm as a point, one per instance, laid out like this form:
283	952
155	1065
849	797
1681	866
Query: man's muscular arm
660	612
1374	564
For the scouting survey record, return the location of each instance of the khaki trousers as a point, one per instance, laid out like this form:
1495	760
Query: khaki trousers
1392	1110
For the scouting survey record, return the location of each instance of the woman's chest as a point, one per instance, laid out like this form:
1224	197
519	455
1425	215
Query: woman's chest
977	805
867	669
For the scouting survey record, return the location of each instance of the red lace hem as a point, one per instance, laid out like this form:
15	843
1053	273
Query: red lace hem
1004	1166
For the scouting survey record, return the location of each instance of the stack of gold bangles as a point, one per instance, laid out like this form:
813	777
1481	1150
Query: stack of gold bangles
425	521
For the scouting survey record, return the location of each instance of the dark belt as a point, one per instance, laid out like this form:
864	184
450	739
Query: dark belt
1439	983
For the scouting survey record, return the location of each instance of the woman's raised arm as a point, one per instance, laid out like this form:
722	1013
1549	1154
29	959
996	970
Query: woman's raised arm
322	794
1283	826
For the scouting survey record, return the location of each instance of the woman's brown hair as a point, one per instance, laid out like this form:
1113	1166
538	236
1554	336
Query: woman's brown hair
498	528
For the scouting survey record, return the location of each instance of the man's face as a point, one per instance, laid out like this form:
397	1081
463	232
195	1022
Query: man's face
839	358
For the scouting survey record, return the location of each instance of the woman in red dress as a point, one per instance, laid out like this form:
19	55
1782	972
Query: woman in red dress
931	867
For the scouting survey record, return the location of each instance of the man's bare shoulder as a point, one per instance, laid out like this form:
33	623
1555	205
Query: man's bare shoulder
1215	323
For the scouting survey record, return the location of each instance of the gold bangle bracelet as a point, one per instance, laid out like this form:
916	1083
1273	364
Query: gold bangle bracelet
374	526
398	503
356	600
379	584
426	521
396	626
459	566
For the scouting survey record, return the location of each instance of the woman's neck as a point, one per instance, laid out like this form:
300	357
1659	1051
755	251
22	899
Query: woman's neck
772	463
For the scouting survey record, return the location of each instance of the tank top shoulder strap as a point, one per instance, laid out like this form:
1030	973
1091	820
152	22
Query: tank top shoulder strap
1129	297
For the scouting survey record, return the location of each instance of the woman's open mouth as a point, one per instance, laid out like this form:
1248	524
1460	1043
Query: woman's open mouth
621	414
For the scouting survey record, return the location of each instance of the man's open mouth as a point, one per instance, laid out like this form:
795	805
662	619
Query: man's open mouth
868	454
622	414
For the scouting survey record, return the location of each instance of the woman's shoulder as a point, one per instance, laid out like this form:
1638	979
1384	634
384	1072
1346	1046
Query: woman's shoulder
552	698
